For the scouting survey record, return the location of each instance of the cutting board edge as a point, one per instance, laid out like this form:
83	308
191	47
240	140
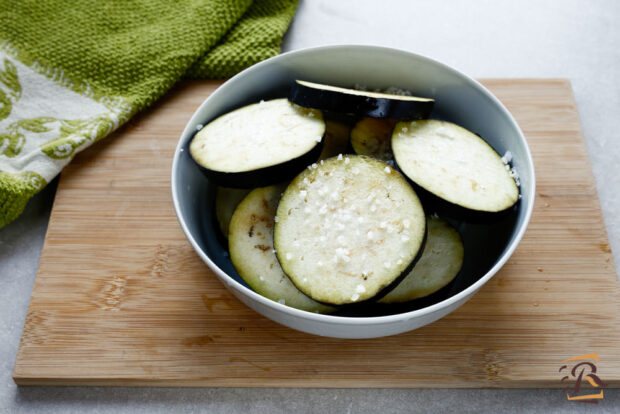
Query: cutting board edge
291	383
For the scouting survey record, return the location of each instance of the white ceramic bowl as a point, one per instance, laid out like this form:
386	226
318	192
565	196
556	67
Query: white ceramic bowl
459	99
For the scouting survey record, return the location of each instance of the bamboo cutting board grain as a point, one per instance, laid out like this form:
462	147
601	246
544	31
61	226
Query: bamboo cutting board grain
122	299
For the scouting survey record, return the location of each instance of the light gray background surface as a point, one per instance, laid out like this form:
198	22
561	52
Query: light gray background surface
575	39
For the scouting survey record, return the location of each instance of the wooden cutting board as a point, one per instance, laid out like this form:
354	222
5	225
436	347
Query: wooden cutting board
122	299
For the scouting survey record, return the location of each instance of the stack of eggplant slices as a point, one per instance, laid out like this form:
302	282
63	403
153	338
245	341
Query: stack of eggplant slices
322	196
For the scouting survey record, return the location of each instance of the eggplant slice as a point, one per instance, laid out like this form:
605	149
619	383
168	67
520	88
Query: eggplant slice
454	164
336	139
226	200
372	137
347	229
259	144
250	240
441	261
360	103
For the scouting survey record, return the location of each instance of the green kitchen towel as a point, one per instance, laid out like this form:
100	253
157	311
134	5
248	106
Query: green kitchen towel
71	72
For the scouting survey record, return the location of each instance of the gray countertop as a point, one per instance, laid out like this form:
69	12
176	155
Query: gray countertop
484	38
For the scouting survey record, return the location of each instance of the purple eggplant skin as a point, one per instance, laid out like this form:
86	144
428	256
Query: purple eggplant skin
358	105
263	177
444	208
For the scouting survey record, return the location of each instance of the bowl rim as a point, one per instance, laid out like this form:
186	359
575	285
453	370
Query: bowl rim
347	320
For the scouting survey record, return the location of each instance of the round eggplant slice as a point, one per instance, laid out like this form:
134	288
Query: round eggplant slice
259	144
454	164
347	229
250	240
360	103
441	261
226	200
372	137
336	139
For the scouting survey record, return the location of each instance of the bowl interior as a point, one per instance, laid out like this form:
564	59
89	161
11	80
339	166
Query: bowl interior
458	99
